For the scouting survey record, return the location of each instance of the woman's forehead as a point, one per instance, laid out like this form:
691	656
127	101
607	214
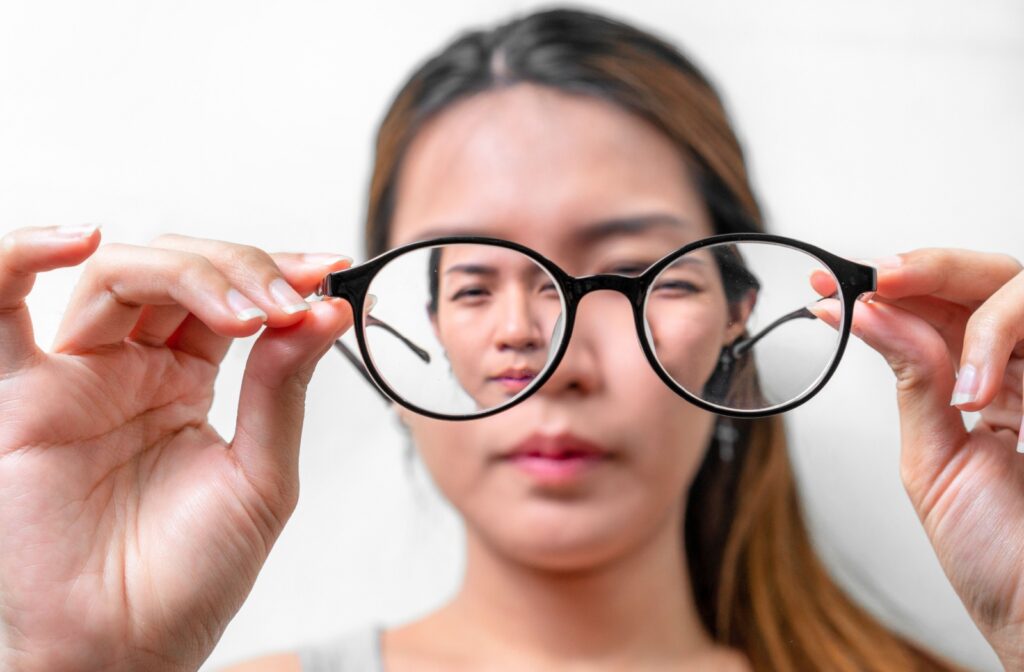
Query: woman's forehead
544	168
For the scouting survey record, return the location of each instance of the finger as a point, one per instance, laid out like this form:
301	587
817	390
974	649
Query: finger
272	400
24	253
120	279
966	277
255	273
993	333
303	271
158	323
931	430
946	317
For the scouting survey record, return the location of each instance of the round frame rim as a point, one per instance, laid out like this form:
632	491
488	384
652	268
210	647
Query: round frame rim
572	289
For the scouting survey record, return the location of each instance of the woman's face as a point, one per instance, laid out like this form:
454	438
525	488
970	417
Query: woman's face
597	190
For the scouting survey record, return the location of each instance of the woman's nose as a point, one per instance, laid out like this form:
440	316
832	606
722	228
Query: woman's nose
602	328
520	323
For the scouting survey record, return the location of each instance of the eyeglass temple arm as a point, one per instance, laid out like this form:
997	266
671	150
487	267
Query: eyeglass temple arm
360	367
372	321
740	347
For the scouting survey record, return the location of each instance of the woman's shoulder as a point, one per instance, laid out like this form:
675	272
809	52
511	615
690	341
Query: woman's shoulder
279	662
357	649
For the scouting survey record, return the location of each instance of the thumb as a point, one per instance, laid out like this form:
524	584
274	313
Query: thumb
931	431
272	400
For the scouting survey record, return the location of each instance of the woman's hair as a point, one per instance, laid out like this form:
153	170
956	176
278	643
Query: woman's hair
758	583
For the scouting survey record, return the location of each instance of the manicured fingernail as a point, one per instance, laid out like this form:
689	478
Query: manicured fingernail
76	230
326	259
287	298
1020	445
967	383
892	261
244	309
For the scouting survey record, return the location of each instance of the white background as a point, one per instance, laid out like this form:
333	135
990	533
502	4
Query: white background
871	127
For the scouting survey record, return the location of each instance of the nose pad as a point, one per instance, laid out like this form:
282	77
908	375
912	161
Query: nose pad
558	332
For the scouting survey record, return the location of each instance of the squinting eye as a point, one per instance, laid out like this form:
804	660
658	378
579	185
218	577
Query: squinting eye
680	286
471	292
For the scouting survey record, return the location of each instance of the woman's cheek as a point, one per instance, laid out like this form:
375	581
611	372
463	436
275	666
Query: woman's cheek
465	341
687	342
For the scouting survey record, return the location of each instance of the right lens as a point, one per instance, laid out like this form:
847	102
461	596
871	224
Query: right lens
729	324
463	328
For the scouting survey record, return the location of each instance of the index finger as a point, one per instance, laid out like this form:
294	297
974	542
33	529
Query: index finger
965	277
24	253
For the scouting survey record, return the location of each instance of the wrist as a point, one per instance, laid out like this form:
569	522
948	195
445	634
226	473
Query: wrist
1009	647
70	659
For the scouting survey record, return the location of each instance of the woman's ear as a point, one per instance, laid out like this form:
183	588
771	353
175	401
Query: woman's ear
739	313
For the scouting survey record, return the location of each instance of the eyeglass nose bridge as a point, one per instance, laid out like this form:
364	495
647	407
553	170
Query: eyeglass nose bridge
630	287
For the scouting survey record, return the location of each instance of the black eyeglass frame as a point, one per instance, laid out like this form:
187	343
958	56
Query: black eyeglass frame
352	284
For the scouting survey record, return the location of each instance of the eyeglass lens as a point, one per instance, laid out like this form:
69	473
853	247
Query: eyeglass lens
463	328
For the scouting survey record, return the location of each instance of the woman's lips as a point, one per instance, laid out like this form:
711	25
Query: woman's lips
556	471
513	385
556	460
515	380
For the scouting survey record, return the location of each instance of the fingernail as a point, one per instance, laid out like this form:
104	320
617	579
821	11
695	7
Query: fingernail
76	230
1020	445
371	301
286	297
326	259
966	389
244	309
892	261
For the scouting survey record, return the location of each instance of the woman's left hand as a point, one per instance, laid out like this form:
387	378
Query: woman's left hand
938	312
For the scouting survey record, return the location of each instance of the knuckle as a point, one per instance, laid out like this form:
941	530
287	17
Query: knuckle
984	321
928	256
165	240
245	256
918	371
194	268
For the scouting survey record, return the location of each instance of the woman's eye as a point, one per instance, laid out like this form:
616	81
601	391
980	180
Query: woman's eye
677	286
468	292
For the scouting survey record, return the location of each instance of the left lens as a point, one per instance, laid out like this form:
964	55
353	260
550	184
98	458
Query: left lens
729	324
463	328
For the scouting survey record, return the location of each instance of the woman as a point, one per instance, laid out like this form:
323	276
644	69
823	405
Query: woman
658	559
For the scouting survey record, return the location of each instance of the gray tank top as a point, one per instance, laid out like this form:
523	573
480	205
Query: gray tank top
357	650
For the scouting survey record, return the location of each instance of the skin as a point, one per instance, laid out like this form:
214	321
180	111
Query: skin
490	322
110	474
501	319
590	568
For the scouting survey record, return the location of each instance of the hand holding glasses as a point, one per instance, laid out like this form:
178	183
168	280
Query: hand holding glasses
463	327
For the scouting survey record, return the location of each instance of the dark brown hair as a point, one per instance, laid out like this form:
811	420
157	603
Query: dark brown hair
758	583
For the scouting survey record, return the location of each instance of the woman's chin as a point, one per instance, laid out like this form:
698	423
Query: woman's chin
563	540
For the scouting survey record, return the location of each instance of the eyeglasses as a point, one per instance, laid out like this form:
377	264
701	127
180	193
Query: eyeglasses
464	327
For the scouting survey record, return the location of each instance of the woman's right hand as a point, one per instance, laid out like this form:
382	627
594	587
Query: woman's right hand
130	531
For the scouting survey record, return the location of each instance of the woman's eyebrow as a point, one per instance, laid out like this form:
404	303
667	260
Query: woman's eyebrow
627	226
471	269
589	234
